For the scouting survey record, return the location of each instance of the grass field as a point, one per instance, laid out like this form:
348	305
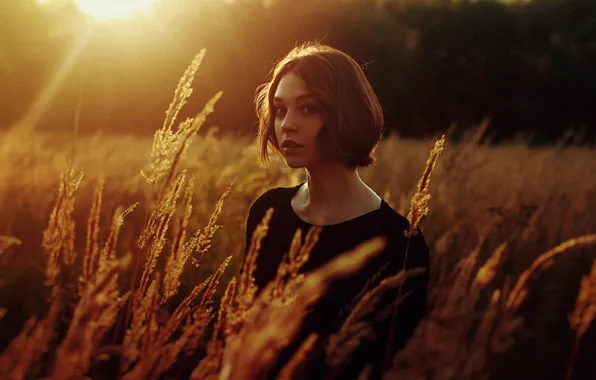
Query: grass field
512	232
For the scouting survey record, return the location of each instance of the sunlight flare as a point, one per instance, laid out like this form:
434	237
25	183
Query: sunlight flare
109	9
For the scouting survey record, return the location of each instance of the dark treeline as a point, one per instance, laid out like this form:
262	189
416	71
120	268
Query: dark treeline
529	68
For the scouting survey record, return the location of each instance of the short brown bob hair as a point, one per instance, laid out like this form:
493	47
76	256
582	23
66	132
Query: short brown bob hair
353	116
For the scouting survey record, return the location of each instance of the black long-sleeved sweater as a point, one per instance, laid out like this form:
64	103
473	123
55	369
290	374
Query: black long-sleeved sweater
328	314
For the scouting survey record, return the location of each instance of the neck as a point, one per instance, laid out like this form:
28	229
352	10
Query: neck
328	185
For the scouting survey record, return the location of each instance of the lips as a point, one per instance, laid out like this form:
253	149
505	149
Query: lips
290	144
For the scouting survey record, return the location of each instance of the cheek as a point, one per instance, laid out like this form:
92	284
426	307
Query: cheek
276	129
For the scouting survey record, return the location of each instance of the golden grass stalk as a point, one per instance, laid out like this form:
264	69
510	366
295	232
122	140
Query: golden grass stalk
225	305
92	244
168	147
7	242
476	364
32	342
270	326
86	327
211	289
418	208
108	253
155	362
186	136
246	288
157	353
154	234
299	356
10	355
166	142
181	312
287	278
585	306
355	328
140	321
192	330
419	203
583	314
442	340
157	230
544	261
443	243
210	365
201	242
342	345
183	90
159	216
59	235
177	260
460	288
204	308
370	299
283	289
487	272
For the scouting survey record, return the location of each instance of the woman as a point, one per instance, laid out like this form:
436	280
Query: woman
319	111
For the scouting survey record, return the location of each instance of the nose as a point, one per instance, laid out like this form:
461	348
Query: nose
289	124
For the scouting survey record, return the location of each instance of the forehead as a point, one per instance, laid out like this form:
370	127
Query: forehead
291	87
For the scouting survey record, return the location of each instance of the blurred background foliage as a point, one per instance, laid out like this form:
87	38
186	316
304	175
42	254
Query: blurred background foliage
526	66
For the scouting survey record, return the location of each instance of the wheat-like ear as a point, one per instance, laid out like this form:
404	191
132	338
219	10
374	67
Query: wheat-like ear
583	314
419	204
287	279
158	225
58	237
74	352
201	241
183	90
487	272
299	356
31	343
354	329
108	252
166	142
519	292
178	255
91	244
246	287
270	327
197	320
418	208
7	242
209	366
477	362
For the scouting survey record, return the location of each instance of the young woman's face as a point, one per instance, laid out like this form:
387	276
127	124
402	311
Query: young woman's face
298	118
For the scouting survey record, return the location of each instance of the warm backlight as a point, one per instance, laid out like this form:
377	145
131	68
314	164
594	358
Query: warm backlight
109	9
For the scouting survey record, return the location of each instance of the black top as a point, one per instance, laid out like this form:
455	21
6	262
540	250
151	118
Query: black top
328	314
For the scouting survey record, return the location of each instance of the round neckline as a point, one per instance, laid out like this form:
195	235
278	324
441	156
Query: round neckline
295	189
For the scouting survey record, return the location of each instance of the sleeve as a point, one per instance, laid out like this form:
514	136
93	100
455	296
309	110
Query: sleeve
410	312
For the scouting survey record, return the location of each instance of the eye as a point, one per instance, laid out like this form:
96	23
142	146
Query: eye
310	109
278	111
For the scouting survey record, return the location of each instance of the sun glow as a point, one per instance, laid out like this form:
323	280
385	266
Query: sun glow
110	9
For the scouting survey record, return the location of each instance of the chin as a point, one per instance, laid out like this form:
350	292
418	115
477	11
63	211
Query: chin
295	164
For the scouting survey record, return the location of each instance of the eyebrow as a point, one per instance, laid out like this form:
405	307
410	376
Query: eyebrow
301	97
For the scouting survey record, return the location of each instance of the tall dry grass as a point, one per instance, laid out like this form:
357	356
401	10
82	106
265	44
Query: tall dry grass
137	272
